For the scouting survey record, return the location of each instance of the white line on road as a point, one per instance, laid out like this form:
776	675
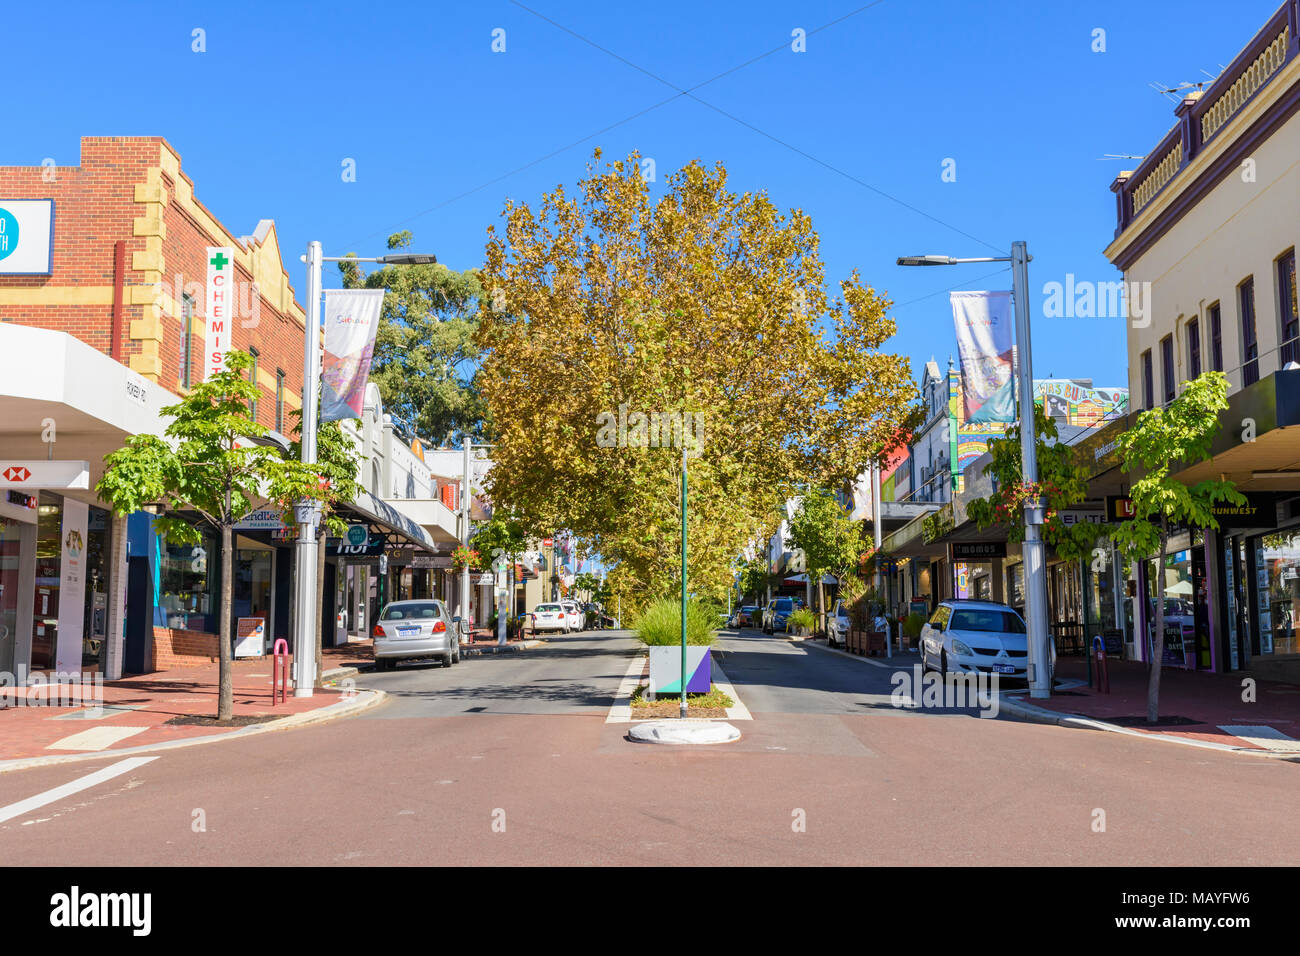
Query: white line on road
76	786
621	711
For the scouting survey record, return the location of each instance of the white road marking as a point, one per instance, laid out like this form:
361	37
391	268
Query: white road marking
738	711
96	738
76	786
621	710
1263	737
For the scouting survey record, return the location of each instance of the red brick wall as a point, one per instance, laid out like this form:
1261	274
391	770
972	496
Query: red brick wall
94	208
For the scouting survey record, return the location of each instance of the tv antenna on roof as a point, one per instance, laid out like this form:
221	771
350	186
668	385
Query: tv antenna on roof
1118	156
1177	93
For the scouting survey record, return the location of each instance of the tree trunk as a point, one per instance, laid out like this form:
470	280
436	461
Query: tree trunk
226	694
1158	645
318	626
821	604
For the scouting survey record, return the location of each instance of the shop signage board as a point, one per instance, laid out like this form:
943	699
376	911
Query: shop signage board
44	474
250	637
72	585
976	550
1072	517
137	388
358	534
342	547
26	237
431	561
268	519
220	305
486	577
1118	508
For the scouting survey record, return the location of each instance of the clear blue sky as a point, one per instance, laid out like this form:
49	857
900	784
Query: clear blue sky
412	91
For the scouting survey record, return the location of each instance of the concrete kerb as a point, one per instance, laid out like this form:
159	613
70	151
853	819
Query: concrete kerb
1041	715
364	700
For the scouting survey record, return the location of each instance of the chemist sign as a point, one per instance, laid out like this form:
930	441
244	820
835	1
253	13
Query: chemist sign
26	237
220	303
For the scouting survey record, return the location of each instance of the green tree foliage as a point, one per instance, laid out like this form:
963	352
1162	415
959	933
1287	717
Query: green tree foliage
702	302
1062	483
822	529
425	360
1163	439
206	467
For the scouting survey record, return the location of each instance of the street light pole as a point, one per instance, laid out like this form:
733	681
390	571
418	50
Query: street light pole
464	540
1033	550
308	517
683	707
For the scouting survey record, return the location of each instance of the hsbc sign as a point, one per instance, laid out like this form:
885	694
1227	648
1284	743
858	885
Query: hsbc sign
67	475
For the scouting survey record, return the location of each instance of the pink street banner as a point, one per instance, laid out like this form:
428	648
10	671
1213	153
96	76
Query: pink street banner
984	336
351	321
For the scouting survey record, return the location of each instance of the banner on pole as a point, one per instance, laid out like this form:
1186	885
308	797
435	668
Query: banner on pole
351	322
983	322
220	306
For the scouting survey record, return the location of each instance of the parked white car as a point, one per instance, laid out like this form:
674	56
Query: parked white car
975	637
553	617
837	624
575	613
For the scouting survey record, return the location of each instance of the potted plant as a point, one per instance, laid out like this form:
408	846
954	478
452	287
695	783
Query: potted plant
659	628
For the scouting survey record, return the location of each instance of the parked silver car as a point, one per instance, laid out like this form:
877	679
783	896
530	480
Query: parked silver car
973	637
411	629
838	624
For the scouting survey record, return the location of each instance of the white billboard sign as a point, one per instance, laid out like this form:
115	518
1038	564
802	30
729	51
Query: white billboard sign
26	237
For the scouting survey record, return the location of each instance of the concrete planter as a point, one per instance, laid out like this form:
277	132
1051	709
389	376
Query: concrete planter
666	669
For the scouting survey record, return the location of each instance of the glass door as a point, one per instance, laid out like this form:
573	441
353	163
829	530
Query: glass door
10	560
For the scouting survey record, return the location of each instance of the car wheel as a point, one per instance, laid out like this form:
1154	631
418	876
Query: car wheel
455	657
447	659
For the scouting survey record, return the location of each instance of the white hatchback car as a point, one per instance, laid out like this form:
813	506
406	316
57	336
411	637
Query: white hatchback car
975	637
838	624
553	617
575	613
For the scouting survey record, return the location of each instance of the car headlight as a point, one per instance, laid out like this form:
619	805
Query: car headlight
960	649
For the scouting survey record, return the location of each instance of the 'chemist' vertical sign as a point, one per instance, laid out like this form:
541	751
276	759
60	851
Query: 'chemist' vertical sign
220	303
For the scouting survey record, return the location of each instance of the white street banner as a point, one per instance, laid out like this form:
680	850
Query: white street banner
220	305
351	321
26	237
72	585
984	337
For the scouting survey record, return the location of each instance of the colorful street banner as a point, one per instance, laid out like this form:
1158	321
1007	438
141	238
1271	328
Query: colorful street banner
220	305
351	322
983	321
72	585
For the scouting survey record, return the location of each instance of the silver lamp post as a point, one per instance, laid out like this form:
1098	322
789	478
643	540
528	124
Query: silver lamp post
1040	677
307	513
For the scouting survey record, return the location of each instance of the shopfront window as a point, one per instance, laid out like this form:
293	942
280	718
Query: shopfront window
187	577
10	563
1184	627
1017	588
1277	563
95	625
49	554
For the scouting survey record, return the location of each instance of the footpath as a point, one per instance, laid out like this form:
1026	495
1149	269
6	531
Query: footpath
1227	711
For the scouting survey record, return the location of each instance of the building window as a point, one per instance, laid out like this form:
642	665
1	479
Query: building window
1249	343
187	337
252	377
1193	349
279	400
1216	337
1148	386
1287	308
1167	367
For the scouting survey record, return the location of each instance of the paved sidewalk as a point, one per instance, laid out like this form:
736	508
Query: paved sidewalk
1210	705
136	710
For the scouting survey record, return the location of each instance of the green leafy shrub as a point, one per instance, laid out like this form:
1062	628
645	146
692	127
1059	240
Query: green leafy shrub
912	626
660	624
803	620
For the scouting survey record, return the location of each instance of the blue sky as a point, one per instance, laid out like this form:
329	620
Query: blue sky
443	130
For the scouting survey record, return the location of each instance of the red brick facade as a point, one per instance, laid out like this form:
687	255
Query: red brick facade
131	190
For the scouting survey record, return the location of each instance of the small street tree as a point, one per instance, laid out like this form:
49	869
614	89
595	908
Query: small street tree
207	466
1163	439
823	530
501	540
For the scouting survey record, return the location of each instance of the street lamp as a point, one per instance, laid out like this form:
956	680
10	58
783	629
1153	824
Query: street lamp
304	639
1040	678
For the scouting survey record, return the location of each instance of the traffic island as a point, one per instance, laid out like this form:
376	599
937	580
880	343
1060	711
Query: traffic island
683	732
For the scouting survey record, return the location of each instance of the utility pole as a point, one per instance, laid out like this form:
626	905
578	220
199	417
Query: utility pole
464	539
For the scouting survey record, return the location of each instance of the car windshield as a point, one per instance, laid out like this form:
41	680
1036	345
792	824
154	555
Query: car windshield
549	607
405	612
785	604
747	607
987	619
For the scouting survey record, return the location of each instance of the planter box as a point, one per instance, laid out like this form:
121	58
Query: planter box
666	669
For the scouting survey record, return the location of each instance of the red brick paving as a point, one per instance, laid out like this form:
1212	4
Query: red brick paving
28	731
1213	700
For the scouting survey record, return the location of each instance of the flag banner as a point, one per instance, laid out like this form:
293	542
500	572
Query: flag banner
351	321
984	337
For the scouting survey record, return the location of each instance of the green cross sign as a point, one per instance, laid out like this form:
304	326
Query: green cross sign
220	261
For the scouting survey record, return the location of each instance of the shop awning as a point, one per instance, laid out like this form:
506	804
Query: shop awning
379	512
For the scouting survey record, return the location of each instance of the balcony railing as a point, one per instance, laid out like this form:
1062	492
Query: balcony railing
1202	116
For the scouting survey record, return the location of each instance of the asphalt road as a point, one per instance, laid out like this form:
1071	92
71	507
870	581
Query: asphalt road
509	760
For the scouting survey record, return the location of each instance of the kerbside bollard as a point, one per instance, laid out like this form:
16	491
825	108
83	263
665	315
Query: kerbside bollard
280	652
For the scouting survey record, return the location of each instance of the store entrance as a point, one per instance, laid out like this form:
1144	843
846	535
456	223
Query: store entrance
252	587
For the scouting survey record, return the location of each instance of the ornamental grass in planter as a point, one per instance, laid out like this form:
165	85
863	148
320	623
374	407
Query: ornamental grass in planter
660	628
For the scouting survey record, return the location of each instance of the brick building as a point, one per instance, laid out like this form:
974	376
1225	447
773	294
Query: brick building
102	324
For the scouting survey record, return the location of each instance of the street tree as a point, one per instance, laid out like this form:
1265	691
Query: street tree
615	328
1161	441
425	361
206	469
828	537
